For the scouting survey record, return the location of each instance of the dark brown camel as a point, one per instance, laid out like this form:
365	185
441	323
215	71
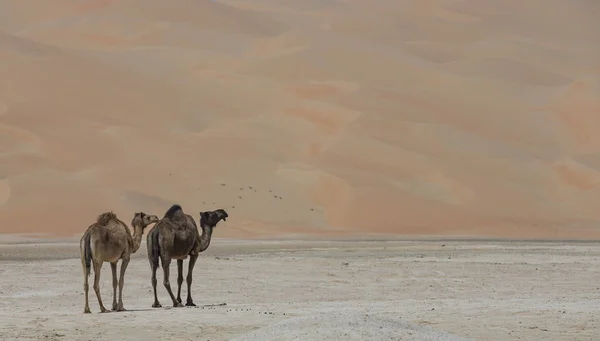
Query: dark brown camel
176	236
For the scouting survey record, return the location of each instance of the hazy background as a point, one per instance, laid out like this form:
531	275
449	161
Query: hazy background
320	118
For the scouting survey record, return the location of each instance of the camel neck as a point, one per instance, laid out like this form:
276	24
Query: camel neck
137	237
205	237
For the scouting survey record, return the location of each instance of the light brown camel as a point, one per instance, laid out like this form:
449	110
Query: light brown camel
176	236
109	240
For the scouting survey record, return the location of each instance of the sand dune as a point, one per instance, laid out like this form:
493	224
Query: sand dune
4	191
321	118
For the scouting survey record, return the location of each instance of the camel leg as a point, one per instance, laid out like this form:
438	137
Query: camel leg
97	269
154	282
179	278
190	302
166	262
86	289
124	263
113	267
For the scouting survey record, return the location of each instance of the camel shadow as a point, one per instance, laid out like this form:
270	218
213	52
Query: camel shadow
140	309
177	308
197	307
169	308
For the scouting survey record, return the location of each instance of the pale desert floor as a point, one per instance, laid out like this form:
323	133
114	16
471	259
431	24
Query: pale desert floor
300	290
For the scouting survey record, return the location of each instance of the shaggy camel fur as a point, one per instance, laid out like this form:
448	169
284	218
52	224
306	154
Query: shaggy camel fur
109	240
176	236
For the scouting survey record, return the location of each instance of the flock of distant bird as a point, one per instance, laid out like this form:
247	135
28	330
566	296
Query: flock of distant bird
175	236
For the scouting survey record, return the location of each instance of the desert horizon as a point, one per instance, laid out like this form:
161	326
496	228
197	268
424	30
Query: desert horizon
389	170
303	119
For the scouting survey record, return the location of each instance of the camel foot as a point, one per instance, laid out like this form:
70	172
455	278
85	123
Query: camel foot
87	311
121	309
156	305
114	308
177	305
104	310
190	304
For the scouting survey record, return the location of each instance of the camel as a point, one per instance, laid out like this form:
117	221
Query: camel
176	236
108	240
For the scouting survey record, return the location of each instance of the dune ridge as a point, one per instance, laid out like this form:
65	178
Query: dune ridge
312	118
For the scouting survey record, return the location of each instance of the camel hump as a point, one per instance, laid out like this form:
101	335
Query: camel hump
174	212
106	218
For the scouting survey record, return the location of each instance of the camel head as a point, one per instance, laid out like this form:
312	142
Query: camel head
142	219
211	218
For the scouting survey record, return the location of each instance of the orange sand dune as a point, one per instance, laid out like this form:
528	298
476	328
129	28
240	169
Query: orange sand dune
303	118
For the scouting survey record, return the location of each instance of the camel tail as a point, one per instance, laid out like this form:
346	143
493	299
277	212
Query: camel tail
154	248
87	252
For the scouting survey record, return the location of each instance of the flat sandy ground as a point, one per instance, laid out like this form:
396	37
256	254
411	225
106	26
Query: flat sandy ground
295	290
